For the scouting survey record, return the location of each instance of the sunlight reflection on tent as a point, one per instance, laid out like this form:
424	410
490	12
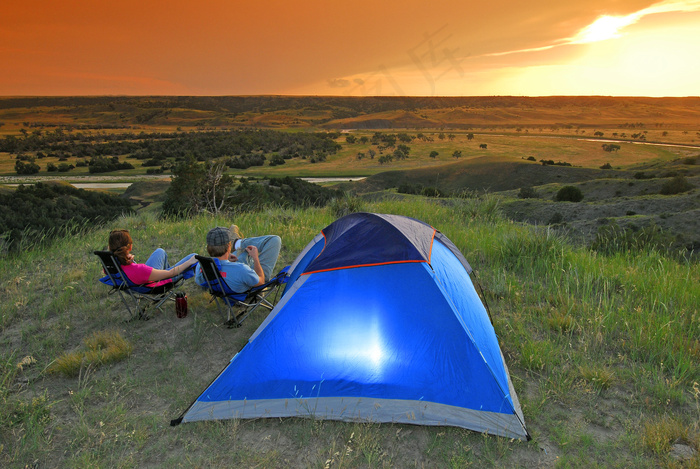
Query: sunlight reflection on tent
359	344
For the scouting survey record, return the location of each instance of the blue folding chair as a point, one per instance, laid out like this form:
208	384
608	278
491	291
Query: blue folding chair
137	296
245	302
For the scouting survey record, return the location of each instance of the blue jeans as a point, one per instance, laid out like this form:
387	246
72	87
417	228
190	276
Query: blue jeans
268	251
159	260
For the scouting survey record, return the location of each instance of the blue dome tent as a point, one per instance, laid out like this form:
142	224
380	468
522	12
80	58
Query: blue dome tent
379	321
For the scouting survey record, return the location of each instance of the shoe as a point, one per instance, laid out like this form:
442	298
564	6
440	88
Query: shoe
235	233
235	236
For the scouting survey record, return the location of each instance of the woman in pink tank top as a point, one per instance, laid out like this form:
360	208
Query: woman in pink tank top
156	270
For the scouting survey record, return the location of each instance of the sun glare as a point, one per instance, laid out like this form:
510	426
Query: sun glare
604	28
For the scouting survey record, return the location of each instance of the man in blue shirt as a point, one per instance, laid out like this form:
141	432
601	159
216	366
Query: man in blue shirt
245	262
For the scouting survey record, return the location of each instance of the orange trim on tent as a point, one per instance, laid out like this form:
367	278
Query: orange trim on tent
432	240
363	265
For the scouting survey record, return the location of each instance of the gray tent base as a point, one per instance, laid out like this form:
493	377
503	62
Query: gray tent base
363	409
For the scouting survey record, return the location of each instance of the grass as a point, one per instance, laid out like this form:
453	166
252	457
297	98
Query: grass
101	348
602	349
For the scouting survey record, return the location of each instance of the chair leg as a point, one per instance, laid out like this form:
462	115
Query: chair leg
260	301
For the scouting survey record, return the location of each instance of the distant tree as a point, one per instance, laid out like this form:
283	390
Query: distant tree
441	136
400	154
371	153
606	166
183	196
457	154
434	154
598	134
483	145
451	137
610	147
470	136
405	149
350	139
276	160
25	168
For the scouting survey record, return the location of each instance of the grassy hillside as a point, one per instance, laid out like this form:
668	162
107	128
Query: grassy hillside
603	352
117	112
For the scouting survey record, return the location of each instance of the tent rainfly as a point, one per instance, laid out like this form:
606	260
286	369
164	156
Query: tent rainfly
379	322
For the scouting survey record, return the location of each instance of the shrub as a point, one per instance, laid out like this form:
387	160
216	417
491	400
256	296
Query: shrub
555	219
613	238
677	185
283	192
245	161
36	213
569	194
101	164
431	192
345	205
528	193
408	188
643	175
486	208
606	166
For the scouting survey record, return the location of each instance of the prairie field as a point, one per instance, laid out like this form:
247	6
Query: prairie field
603	352
595	302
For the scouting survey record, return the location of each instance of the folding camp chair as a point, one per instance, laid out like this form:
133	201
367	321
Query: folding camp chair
136	296
245	302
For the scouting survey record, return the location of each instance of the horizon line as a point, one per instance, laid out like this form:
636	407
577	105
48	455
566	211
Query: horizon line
273	95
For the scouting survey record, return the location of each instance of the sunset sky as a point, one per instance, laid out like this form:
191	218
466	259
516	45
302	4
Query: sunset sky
359	48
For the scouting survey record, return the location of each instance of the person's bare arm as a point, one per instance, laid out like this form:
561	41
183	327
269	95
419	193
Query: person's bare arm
253	252
159	274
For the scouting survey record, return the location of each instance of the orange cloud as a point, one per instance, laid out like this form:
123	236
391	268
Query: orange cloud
310	46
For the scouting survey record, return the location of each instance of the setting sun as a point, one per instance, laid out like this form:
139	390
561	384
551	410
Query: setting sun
605	27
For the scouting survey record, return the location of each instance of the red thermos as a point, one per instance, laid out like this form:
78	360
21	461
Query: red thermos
181	305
